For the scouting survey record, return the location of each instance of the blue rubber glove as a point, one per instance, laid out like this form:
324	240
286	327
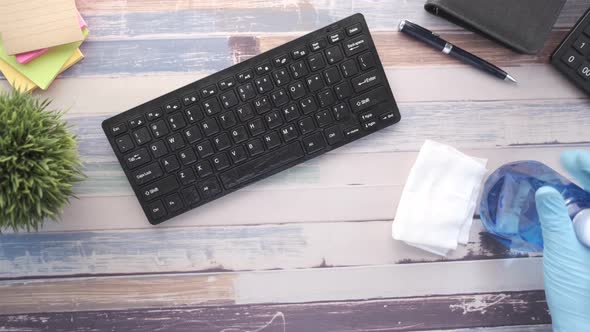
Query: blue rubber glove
566	261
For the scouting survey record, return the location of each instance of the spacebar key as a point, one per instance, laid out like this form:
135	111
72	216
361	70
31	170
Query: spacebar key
260	166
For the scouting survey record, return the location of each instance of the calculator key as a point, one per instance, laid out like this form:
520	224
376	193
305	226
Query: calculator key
227	83
333	135
366	61
142	136
245	76
354	29
203	169
137	122
147	173
208	91
173	203
262	68
572	58
314	143
118	129
335	37
317	45
190	98
137	158
334	54
172	106
124	143
281	60
170	164
190	195
158	149
584	70
156	210
299	52
582	45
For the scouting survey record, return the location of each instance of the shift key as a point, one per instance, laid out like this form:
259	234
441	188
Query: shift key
159	188
368	99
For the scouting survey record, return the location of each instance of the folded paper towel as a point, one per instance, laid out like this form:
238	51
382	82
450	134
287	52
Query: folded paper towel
436	208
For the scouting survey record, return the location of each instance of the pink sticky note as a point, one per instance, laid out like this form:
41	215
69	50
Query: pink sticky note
29	56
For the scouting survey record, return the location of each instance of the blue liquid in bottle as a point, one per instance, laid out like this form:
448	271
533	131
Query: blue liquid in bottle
508	209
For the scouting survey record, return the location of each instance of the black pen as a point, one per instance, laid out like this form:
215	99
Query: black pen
442	45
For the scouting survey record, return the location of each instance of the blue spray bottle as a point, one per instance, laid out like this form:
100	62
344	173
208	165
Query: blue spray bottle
508	208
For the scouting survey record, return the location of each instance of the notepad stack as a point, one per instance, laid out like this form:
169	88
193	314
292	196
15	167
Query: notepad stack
39	39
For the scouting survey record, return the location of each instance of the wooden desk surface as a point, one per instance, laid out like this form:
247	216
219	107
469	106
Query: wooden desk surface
309	249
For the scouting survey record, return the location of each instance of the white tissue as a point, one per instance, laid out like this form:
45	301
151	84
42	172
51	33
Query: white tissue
438	202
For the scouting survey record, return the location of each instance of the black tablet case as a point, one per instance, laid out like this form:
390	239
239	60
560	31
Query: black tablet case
522	25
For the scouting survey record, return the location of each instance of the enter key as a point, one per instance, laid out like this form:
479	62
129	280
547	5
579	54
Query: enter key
366	81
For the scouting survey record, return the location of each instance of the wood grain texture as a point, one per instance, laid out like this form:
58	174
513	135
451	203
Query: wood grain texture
410	314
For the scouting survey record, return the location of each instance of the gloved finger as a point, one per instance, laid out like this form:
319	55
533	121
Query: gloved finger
577	163
555	221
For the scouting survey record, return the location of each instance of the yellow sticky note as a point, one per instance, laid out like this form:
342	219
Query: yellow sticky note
20	82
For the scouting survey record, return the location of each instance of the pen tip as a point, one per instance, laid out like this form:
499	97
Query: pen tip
510	78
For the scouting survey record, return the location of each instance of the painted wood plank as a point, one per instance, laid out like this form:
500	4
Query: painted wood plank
198	249
123	17
517	328
420	313
277	286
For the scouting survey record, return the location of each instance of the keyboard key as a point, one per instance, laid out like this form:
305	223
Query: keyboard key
366	61
229	99
332	75
314	143
326	98
222	142
370	115
170	164
124	143
203	169
159	188
186	176
352	132
335	37
209	188
299	52
142	136
369	125
308	105
173	203
316	62
220	161
349	68
193	114
289	133
356	45
245	112
158	149
343	90
208	91
159	128
187	156
192	134
244	173
281	60
584	70
334	135
262	68
190	98
272	140
211	106
190	195
388	117
298	69
238	154
176	121
171	106
279	97
290	112
366	81
368	99
227	120
572	58
354	29
281	77
239	134
273	119
318	45
227	83
341	112
153	115
175	141
137	158
334	54
582	45
306	125
324	118
147	173
264	84
246	92
245	76
315	82
156	210
209	127
137	122
256	127
204	149
255	147
296	90
262	105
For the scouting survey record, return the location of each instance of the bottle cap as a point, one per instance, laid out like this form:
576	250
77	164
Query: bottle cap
582	226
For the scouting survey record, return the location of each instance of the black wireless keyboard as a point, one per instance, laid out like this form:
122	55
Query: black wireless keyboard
254	119
572	56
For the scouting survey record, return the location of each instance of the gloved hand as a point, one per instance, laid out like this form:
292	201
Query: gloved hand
566	261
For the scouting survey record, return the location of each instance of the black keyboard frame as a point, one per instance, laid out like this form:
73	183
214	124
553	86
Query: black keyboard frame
389	105
583	24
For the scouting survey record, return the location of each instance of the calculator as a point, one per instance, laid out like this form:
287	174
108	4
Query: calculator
572	56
